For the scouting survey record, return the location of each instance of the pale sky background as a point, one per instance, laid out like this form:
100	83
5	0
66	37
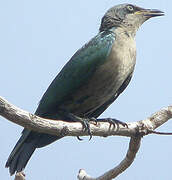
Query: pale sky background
37	38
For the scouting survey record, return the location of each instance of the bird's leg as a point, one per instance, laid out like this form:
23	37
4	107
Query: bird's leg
113	122
83	121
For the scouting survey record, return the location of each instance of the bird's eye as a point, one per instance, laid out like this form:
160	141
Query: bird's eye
130	8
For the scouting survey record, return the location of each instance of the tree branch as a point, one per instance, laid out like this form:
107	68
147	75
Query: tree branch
125	163
20	176
60	128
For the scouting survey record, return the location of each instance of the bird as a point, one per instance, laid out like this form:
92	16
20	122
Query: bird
90	81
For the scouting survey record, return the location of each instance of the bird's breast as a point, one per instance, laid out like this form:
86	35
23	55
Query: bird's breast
122	58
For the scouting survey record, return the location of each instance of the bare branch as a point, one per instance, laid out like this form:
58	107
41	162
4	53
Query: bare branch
20	176
127	161
57	127
60	128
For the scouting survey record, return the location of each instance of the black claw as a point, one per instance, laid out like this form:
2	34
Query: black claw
84	122
86	127
89	132
117	122
94	120
80	139
114	122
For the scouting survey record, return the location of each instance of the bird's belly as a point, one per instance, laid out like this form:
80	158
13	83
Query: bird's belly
104	83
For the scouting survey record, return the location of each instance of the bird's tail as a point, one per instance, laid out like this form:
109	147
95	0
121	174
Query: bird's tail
20	154
25	147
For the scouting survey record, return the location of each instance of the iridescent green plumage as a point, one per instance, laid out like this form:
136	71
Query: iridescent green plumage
75	75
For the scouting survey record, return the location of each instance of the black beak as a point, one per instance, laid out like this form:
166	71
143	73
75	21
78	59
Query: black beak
150	12
153	13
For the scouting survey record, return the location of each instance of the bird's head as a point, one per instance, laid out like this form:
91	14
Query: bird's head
127	16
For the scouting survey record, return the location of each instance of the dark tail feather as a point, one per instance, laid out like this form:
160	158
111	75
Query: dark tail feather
20	159
20	154
25	147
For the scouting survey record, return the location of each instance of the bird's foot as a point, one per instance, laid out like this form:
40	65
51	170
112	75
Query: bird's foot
113	122
84	122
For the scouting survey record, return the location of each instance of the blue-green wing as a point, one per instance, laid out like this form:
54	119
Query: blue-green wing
76	72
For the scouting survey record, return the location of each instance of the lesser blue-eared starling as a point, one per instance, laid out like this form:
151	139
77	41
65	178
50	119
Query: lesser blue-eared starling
91	80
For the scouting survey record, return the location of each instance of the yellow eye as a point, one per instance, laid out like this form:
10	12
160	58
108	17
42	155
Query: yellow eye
130	8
